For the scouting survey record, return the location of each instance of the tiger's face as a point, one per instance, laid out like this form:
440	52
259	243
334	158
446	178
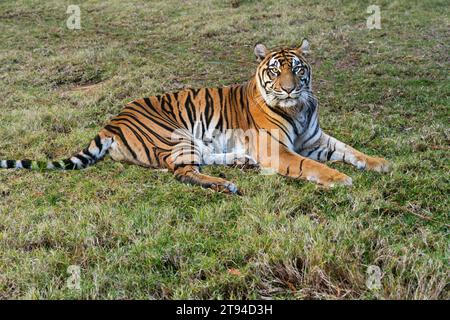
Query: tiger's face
283	77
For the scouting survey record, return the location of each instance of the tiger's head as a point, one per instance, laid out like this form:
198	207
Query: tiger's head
283	76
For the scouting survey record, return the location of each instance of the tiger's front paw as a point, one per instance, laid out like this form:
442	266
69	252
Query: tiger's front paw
331	178
375	164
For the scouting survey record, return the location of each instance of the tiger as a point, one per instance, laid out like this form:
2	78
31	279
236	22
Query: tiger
172	131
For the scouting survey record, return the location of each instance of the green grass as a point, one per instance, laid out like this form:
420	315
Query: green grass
138	233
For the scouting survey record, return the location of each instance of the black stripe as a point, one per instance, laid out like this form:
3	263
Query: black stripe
164	102
89	154
148	102
301	167
313	150
164	158
285	117
26	164
57	165
139	137
141	125
320	154
194	110
69	165
156	114
286	133
311	136
195	92
182	165
277	140
162	139
243	105
224	109
187	106
118	131
233	104
152	116
219	124
330	153
82	159
98	143
209	106
170	129
10	164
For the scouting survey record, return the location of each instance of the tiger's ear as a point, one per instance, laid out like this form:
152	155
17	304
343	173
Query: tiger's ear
260	51
304	47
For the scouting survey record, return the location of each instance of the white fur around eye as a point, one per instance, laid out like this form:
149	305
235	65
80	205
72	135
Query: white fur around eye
274	63
295	62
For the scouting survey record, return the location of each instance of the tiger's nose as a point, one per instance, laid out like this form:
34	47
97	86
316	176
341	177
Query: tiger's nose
288	88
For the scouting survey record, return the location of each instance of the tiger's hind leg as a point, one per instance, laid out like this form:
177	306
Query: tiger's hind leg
179	152
184	161
191	174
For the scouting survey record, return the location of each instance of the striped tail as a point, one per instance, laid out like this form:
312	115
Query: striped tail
96	151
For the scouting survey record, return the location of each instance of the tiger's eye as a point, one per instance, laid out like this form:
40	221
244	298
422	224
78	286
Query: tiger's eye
274	71
299	70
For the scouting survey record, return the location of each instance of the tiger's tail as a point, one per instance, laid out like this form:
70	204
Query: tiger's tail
93	153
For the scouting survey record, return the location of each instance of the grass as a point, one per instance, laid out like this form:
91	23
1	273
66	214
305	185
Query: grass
139	234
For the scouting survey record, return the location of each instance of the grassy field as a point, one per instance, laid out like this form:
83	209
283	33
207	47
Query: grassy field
138	233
